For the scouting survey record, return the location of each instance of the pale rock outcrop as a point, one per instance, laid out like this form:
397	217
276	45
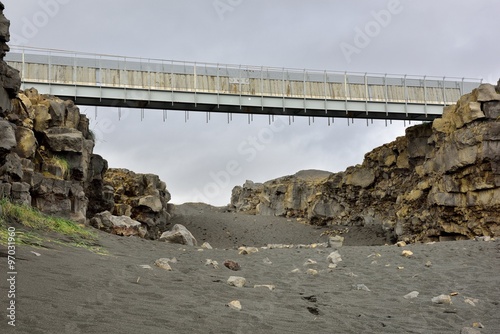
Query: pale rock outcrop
143	197
440	181
119	225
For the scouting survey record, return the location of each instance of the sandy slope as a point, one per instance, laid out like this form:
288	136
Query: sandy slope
67	290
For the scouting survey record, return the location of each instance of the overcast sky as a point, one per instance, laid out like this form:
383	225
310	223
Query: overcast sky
203	162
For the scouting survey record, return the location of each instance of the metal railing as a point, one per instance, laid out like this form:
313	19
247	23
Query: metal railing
85	69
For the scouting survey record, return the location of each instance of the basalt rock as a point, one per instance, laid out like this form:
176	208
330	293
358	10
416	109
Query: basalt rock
439	181
143	197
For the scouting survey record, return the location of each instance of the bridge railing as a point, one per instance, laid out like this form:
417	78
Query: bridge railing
84	69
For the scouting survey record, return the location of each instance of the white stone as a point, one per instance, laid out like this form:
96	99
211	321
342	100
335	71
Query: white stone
164	264
442	299
312	272
334	258
268	286
235	305
336	241
206	245
247	250
213	263
411	295
236	281
310	262
179	235
407	253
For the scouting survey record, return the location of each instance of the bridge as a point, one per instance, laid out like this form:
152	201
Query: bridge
118	81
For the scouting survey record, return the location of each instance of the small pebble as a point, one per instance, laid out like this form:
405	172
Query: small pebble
411	295
235	305
407	253
442	299
234	266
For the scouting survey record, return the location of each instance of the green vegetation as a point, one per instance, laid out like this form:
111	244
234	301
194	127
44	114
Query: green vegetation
61	163
36	229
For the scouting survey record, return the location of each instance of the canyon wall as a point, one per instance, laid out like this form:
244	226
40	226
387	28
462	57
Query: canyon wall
440	181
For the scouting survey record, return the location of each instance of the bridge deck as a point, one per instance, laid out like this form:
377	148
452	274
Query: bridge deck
131	82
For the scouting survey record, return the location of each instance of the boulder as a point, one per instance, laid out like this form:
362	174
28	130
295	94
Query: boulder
119	225
62	139
179	235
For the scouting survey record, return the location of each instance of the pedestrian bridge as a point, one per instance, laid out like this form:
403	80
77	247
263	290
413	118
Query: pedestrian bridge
118	81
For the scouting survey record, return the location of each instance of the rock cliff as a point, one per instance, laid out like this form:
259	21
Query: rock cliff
47	162
440	181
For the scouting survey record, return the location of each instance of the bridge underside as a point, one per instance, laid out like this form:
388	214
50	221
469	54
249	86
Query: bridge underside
244	104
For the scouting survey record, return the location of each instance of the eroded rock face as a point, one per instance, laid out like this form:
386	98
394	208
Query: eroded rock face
440	181
143	197
10	81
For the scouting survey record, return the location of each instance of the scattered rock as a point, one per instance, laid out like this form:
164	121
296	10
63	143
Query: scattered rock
401	244
310	262
296	271
483	238
213	263
477	325
247	250
236	281
234	266
407	253
361	287
235	305
145	266
312	272
471	301
411	295
164	264
267	261
206	245
179	235
335	241
35	253
334	259
428	264
269	286
442	299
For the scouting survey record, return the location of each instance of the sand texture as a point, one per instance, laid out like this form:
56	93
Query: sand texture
70	290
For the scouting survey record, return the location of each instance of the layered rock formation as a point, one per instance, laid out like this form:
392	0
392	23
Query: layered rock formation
440	181
47	161
143	197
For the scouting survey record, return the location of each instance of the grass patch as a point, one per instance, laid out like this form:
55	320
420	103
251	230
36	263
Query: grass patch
35	228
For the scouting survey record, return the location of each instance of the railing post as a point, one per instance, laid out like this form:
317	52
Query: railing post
366	94
325	91
386	96
406	96
283	89
218	87
195	83
305	91
172	80
49	72
23	68
345	92
444	91
425	95
262	87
